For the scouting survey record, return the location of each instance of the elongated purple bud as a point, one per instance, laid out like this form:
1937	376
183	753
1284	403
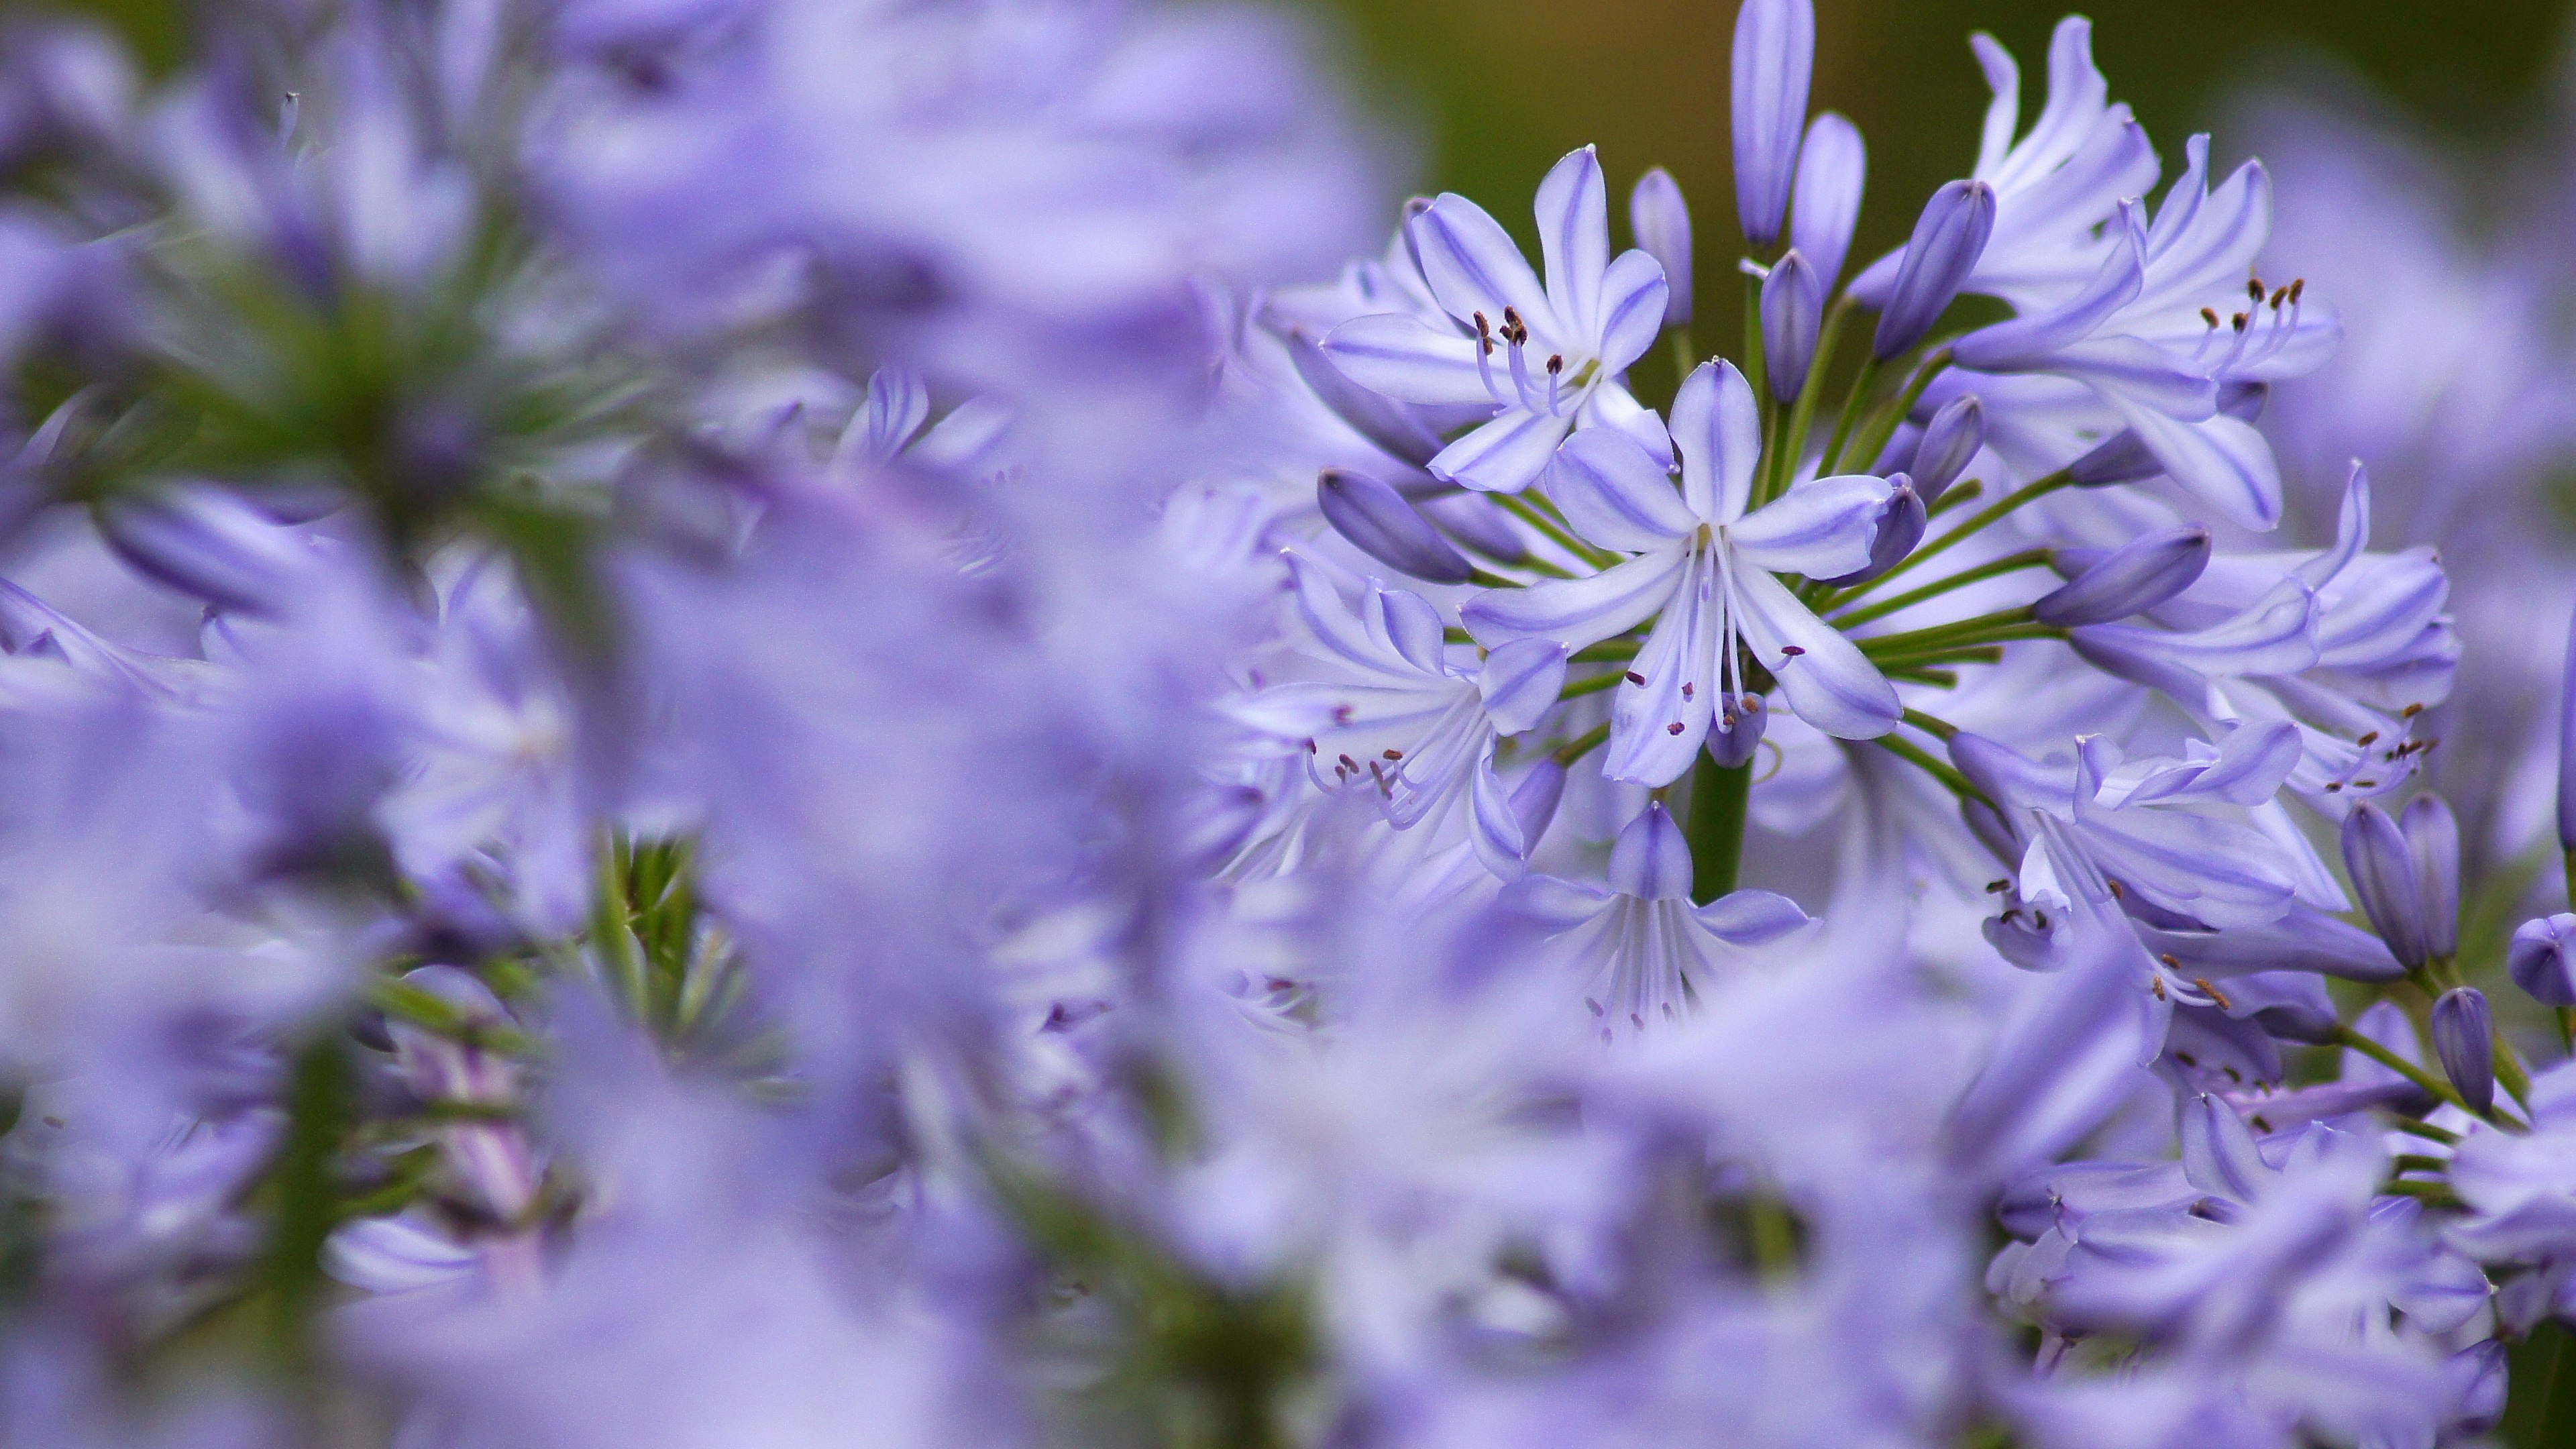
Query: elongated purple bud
1476	523
2542	959
1948	239
1737	730
2123	458
2135	577
1661	221
2298	1022
2567	749
1774	62
1383	421
2433	840
1793	311
1900	527
2383	875
206	544
1832	167
1378	522
1951	441
2464	1038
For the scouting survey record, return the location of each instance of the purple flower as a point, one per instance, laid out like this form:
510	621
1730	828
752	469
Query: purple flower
1544	359
2542	959
1774	60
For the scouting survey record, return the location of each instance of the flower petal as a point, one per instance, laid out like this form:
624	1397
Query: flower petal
1656	727
1576	612
1650	860
1750	918
1829	682
2223	462
1574	240
1633	296
1407	358
1614	495
1474	266
1521	682
1717	427
1503	456
1822	529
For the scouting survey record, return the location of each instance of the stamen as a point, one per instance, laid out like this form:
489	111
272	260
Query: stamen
1686	689
1395	754
1555	368
1633	677
1674	728
2207	314
2212	992
2298	286
1790	651
1485	357
2240	320
1995	886
2254	288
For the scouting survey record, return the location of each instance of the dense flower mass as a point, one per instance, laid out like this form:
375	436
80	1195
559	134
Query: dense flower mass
743	722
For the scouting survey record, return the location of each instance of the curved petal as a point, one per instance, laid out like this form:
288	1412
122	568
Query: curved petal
1574	240
1717	428
2223	462
1828	681
1614	495
2025	341
1822	529
1474	266
1750	918
1503	456
1613	406
1405	625
1576	612
1521	681
1660	714
1632	300
1555	905
1408	359
1650	860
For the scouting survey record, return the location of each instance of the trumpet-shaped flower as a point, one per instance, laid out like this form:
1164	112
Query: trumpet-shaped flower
1545	357
1704	560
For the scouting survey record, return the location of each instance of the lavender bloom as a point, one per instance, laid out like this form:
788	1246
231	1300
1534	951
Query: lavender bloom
1774	60
1950	442
1660	220
2376	851
2541	959
2464	1038
2567	751
1705	565
1545	360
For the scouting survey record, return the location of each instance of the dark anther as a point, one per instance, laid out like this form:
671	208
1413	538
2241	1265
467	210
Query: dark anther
2210	316
1674	728
1790	651
1555	363
1633	677
1485	334
2254	288
2280	297
2366	741
1686	689
1395	754
2297	286
1994	886
2239	321
2334	787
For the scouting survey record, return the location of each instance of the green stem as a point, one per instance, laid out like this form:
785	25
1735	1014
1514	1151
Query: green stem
1977	630
1608	651
1685	357
1914	754
2010	563
1975	524
2426	1130
1933	725
2431	1194
1590	686
1850	418
318	1096
2509	1073
1581	745
2345	1036
1521	509
1941	678
1802	416
2417	1162
1718	795
1753	370
1959	493
1883	426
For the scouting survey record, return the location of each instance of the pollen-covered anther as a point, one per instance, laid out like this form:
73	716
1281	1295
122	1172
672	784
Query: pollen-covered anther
2254	288
1674	728
1395	754
1687	689
1997	887
2239	321
2156	984
1633	677
2213	993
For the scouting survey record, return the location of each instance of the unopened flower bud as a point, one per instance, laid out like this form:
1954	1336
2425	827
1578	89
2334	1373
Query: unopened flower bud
1476	522
1948	239
1951	441
1535	798
2567	749
2383	875
1378	522
2464	1038
1737	730
2433	840
1793	311
1661	222
2133	578
1773	64
1382	420
2542	959
206	544
1832	166
2123	458
1900	527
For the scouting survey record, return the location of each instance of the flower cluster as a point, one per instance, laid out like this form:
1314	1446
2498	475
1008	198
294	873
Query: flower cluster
736	721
